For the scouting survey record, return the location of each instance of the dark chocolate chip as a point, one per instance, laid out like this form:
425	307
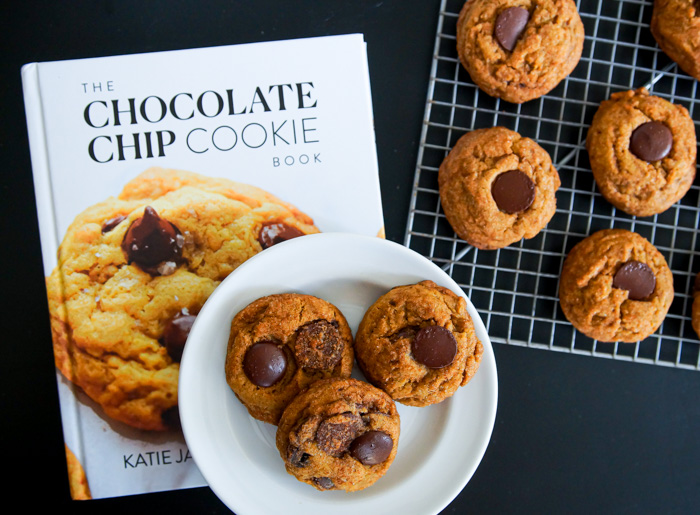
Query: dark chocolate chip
272	233
171	417
510	24
651	141
319	345
264	364
110	224
372	447
637	278
297	457
151	240
513	191
176	333
325	483
335	434
434	346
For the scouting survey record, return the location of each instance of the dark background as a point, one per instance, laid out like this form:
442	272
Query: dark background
573	434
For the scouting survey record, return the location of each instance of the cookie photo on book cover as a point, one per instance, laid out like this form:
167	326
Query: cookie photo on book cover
133	272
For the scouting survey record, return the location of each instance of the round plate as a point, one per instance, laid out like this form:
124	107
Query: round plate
440	446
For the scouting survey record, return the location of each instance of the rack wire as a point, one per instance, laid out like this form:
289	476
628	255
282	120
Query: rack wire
515	289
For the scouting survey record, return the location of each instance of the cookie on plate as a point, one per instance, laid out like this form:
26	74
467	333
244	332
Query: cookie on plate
519	50
497	187
675	24
417	343
134	271
339	434
279	344
642	151
615	286
695	317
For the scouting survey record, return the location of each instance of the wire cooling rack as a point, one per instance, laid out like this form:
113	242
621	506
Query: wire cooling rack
515	289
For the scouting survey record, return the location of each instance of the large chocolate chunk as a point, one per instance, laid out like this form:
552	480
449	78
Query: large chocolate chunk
434	346
265	363
513	191
335	434
510	24
319	345
637	278
153	243
175	335
651	141
325	483
372	447
272	233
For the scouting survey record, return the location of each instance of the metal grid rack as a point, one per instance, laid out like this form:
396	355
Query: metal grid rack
515	289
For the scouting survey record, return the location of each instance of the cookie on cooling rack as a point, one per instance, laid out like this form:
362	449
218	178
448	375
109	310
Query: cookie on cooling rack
279	344
615	286
519	50
497	187
642	152
417	343
675	24
339	434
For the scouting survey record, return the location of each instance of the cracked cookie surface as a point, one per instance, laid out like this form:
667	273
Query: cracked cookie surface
339	434
675	24
417	343
119	324
591	294
629	182
476	211
279	344
545	49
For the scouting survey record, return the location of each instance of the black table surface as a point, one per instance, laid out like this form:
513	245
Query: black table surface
573	434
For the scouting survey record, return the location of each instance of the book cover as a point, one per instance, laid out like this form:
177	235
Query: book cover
155	176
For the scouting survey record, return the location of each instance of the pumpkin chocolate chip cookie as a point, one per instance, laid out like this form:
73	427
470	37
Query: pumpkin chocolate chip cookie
279	344
642	151
339	434
675	24
519	50
497	187
134	271
615	286
417	343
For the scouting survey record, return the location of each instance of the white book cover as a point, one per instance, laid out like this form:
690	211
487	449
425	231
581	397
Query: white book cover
280	127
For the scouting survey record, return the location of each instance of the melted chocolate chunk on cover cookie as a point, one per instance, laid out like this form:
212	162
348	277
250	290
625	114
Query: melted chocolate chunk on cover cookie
319	345
372	447
335	434
272	233
265	363
434	346
651	141
637	278
110	224
513	192
509	25
175	335
153	243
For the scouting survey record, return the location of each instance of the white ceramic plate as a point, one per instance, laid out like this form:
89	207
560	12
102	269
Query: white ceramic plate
440	446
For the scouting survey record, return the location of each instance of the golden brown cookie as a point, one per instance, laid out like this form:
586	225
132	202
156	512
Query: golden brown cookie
417	343
134	271
279	344
695	317
339	434
497	187
615	286
642	151
519	50
675	24
77	480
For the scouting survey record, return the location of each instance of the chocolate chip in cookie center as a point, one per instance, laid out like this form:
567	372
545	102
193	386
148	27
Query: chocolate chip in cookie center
265	363
318	345
272	233
175	335
510	25
151	240
372	447
651	141
637	278
513	191
434	346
